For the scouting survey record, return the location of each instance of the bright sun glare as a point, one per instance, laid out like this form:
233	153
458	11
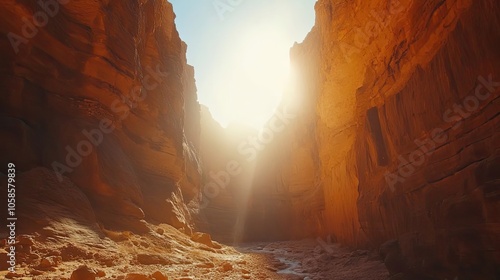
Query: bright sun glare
256	70
242	60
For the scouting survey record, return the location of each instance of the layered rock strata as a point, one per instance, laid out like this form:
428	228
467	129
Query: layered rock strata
402	133
99	93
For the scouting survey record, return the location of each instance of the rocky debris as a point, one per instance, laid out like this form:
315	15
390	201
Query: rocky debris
225	267
301	259
13	275
24	243
136	276
49	263
84	272
157	275
205	265
73	252
150	259
204	238
188	260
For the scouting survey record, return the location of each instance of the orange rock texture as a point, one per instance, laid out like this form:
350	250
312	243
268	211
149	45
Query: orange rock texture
399	126
100	93
388	130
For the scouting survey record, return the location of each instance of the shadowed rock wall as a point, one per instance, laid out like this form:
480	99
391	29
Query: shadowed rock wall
100	93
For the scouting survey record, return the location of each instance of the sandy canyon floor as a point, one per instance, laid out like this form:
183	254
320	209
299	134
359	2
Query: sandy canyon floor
67	250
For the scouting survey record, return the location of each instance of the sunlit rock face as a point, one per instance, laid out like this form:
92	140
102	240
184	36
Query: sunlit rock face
389	77
101	93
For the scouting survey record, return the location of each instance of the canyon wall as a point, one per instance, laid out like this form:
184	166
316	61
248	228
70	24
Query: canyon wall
402	134
97	97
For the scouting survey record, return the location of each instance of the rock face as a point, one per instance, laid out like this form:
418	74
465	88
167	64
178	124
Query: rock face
401	135
390	130
100	94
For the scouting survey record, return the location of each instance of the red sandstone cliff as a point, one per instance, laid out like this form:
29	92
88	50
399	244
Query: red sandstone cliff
99	96
384	139
393	131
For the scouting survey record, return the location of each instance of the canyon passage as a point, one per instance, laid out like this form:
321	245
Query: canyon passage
381	160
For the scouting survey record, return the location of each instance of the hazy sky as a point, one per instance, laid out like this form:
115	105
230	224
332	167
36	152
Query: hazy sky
240	51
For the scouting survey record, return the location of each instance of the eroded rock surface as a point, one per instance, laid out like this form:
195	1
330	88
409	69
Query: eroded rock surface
394	155
101	94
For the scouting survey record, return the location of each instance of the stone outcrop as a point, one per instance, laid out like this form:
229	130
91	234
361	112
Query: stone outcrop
401	133
100	93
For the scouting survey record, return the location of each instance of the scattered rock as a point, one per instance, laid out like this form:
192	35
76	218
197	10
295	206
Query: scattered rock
203	238
24	243
158	276
101	273
216	245
206	265
116	235
149	259
71	252
136	276
226	267
13	275
48	263
36	272
83	273
25	240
